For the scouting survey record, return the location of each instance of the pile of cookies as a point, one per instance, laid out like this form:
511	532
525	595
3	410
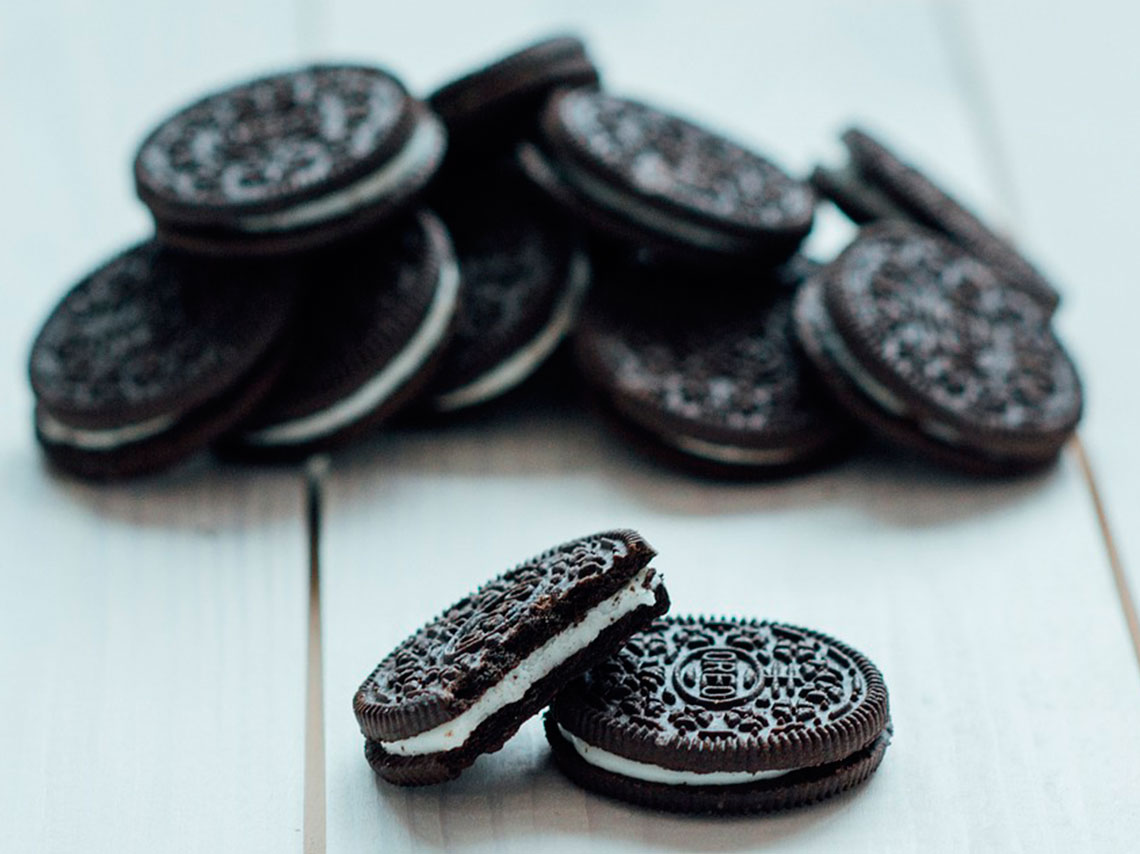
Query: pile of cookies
330	251
688	714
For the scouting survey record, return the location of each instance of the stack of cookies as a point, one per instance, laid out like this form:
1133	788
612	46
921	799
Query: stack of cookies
331	251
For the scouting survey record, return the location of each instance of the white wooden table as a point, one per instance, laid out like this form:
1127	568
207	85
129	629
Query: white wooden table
169	683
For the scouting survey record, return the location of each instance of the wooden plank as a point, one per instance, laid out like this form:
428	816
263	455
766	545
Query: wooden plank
153	663
987	605
1069	137
152	635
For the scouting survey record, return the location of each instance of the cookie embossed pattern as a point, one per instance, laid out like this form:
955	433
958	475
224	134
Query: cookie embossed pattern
723	715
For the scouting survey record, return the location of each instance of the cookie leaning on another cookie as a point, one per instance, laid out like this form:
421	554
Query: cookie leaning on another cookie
465	682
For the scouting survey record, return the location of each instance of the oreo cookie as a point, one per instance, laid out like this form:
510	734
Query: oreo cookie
524	276
723	716
464	683
288	162
642	177
497	105
714	383
937	352
371	336
876	184
154	355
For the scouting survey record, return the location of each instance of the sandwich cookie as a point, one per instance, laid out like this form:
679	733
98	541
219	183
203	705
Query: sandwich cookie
497	105
935	351
369	340
876	184
644	177
723	716
715	383
154	355
464	683
524	275
288	162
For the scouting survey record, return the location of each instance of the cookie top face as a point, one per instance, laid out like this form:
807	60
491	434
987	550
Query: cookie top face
722	367
443	669
673	164
272	142
154	333
518	80
367	303
952	338
523	274
931	206
697	694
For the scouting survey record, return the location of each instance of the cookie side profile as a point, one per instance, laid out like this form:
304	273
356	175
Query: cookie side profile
288	162
715	379
934	350
657	173
877	184
463	684
155	354
370	339
723	715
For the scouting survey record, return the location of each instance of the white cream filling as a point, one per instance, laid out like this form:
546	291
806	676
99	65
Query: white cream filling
837	349
101	439
650	217
384	384
650	773
523	363
425	141
532	669
731	454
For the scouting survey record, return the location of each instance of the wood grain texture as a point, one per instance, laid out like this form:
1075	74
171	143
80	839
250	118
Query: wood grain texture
987	605
1069	134
152	635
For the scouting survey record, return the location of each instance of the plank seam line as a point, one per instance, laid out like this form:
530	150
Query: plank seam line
1120	579
314	815
964	55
